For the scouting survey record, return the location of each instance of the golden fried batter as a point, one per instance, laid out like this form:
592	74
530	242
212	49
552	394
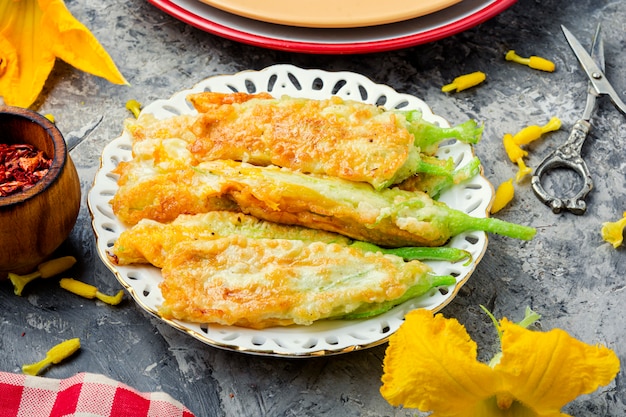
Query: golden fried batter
343	138
149	127
269	282
159	183
150	242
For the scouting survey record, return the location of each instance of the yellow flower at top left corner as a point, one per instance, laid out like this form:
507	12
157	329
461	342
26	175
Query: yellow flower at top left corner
33	33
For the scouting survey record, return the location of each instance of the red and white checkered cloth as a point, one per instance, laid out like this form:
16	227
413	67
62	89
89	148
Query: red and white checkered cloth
84	394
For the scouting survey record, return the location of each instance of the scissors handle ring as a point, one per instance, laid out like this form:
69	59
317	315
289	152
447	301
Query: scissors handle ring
566	156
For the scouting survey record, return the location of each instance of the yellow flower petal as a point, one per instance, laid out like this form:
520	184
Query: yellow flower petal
546	370
8	60
431	364
29	69
75	44
37	32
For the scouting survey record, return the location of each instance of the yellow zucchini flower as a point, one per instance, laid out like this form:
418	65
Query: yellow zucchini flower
431	365
33	33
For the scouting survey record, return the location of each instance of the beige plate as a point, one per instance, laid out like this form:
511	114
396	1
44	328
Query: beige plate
331	13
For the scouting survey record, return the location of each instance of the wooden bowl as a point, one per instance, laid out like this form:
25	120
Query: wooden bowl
34	222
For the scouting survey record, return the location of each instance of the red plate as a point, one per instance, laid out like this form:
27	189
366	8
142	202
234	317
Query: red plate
452	20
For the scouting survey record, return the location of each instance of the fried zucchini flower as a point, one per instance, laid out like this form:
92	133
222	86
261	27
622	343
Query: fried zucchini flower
33	33
431	365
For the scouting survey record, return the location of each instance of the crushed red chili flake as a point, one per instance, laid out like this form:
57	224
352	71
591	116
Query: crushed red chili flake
21	166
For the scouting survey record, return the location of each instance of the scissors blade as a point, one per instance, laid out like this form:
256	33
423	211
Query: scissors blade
74	138
597	48
594	72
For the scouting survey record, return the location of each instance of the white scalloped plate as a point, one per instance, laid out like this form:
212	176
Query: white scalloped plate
324	337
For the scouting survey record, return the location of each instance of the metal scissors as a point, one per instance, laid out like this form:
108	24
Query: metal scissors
74	138
568	155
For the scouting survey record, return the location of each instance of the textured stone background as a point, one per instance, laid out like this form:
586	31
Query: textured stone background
567	273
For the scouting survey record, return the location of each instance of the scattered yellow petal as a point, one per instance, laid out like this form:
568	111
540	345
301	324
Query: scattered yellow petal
464	82
49	117
522	171
79	288
512	144
111	299
33	33
504	195
534	132
56	266
134	107
89	291
44	270
55	355
534	62
613	232
513	150
430	364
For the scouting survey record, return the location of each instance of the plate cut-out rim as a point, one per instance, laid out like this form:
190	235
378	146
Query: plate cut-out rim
325	337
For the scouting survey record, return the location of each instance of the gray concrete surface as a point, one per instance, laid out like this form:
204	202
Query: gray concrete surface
567	273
